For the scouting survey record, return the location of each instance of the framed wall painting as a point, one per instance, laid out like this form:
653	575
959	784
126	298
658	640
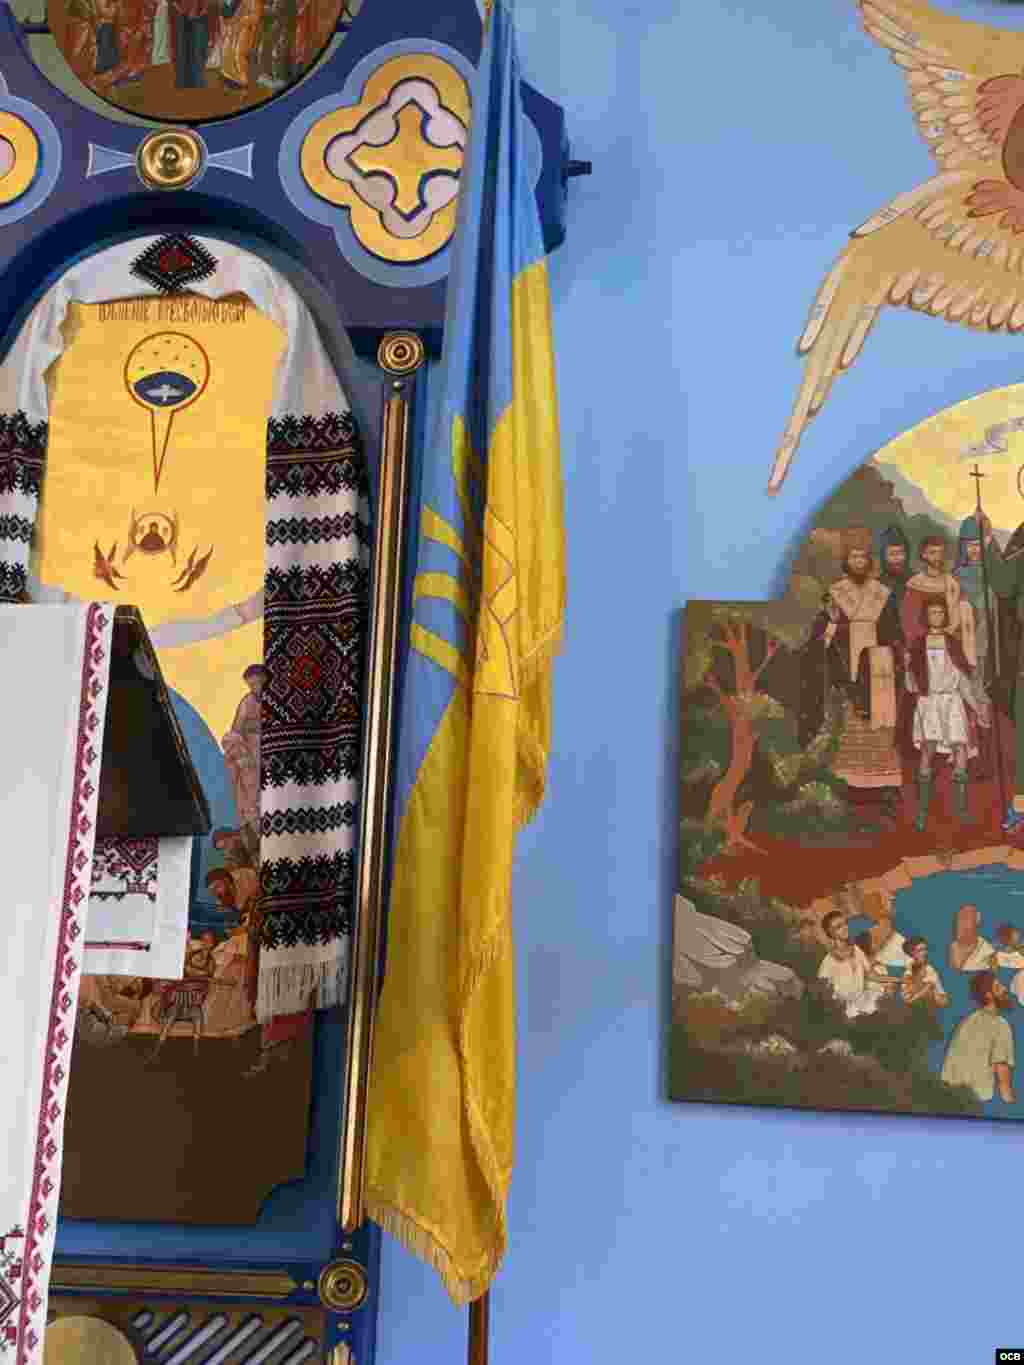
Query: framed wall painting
849	923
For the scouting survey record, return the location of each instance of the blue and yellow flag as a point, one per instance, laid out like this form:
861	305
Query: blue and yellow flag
489	598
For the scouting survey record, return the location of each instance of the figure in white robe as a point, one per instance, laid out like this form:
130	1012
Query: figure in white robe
940	718
945	687
857	984
1010	952
981	1052
969	951
891	952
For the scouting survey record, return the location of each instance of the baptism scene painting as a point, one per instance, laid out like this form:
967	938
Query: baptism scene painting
193	59
849	925
134	510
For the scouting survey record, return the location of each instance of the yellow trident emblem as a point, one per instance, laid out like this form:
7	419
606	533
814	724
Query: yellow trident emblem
486	593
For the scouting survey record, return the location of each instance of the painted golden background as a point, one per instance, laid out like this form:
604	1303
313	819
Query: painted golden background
99	471
934	455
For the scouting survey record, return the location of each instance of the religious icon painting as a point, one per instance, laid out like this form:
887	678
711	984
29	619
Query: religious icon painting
192	60
137	509
849	925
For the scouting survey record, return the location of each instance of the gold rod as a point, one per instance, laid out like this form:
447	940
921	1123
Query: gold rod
120	1277
478	1348
399	354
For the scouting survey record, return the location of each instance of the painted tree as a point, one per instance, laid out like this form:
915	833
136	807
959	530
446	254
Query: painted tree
723	641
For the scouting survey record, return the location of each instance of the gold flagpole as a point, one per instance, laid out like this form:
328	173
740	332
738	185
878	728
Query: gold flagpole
478	1344
400	355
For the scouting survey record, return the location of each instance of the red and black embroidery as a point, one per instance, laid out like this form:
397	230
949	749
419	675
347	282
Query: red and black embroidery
124	867
12	1248
22	459
22	454
314	630
311	819
312	530
303	924
306	587
315	617
16	528
24	1326
332	434
173	263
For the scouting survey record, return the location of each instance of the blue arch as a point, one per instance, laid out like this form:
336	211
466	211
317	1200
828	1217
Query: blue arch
213	774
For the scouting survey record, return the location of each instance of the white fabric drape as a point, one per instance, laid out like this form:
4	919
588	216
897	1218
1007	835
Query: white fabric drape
305	382
54	669
137	921
326	516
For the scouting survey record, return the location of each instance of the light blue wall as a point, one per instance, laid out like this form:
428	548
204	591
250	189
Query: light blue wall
735	143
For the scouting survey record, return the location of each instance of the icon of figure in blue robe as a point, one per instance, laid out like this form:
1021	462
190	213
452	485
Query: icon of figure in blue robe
193	24
107	52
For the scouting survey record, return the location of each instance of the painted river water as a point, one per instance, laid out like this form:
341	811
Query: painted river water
928	907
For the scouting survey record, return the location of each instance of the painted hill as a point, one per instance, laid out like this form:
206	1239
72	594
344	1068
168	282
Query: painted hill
916	504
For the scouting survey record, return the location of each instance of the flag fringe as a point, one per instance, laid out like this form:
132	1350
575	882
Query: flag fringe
534	743
533	748
423	1244
419	1240
495	1178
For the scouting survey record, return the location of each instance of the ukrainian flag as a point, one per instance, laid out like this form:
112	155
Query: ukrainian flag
488	603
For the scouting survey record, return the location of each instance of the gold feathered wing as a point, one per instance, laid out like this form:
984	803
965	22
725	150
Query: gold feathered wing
953	247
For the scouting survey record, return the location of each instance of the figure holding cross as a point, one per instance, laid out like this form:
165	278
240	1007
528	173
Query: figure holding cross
974	589
1005	578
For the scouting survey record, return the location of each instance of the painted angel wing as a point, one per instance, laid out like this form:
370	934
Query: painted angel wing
953	248
964	79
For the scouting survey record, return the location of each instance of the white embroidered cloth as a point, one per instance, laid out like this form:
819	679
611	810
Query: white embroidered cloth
312	604
137	922
52	710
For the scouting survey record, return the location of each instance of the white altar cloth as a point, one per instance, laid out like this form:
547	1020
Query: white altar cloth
54	669
137	922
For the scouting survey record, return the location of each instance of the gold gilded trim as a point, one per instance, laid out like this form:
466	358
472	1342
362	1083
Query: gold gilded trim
400	353
170	159
172	1279
25	146
343	1286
